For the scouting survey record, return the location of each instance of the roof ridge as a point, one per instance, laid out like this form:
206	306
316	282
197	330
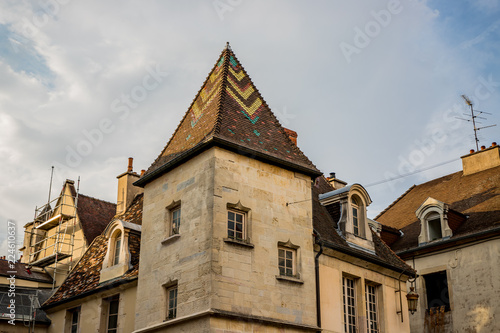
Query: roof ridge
223	91
221	95
395	201
97	199
189	108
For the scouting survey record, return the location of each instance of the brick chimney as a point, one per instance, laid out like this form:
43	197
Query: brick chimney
335	182
291	134
484	159
126	190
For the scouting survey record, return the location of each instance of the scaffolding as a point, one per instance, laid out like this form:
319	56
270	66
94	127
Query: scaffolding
52	235
26	306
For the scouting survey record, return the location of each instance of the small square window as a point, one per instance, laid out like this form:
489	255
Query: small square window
172	302
175	221
236	225
286	261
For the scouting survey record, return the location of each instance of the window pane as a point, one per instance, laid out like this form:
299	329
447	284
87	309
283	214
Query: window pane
230	216
239	218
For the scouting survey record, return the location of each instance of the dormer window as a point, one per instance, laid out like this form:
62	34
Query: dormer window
117	249
116	262
433	216
348	206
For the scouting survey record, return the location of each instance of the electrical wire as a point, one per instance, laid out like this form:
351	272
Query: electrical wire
411	173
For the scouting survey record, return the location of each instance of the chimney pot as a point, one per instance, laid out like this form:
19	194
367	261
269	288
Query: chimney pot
332	174
483	147
493	144
143	172
472	151
130	164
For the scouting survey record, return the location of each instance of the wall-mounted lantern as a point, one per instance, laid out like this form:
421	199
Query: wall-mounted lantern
412	298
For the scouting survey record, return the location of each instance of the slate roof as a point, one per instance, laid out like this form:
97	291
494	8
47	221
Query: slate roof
84	278
22	273
325	223
476	196
230	112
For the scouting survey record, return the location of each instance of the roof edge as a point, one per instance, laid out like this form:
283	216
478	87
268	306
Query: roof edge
223	143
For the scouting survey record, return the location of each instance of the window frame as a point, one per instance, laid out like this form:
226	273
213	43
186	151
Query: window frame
70	320
435	221
110	301
355	219
117	245
349	327
172	295
292	260
175	221
372	307
244	222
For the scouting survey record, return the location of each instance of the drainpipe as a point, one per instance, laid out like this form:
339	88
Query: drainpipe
317	237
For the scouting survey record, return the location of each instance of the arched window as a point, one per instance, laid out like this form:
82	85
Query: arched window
355	214
117	248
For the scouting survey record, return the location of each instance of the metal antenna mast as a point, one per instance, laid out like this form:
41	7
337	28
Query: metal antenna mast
473	119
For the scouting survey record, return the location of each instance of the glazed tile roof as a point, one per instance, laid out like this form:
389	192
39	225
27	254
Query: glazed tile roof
229	111
476	196
325	223
84	278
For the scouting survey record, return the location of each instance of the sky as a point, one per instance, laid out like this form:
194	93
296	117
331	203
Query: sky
373	88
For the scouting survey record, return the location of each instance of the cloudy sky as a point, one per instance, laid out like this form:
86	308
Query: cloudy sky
372	88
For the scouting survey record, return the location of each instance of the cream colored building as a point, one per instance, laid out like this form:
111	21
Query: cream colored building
449	230
238	232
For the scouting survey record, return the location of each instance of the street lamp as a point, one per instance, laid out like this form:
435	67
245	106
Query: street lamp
412	298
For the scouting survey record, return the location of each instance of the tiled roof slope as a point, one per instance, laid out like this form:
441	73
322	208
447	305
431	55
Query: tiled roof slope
476	195
84	278
325	225
22	273
229	110
94	214
133	214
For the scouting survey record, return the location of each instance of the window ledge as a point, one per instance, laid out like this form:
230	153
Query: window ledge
170	239
238	242
289	279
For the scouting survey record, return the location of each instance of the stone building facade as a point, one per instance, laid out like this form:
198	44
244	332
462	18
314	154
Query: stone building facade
449	230
233	229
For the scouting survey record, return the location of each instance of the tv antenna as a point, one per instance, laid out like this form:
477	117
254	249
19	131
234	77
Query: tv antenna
473	117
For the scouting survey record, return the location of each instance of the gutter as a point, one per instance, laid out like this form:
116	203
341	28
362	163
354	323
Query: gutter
317	237
90	292
428	247
362	255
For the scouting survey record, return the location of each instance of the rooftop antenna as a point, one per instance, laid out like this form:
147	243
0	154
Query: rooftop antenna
473	117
